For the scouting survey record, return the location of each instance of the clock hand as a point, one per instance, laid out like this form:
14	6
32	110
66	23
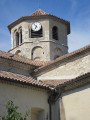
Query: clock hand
35	26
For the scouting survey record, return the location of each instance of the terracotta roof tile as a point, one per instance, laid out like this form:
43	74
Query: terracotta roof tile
81	78
54	83
44	84
62	59
18	58
38	12
59	82
13	77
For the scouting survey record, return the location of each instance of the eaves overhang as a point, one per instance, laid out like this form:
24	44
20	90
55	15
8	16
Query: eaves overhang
75	83
48	16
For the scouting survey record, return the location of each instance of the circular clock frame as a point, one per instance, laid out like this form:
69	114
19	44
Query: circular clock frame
36	26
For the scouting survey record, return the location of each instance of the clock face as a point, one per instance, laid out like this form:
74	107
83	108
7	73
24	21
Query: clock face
36	26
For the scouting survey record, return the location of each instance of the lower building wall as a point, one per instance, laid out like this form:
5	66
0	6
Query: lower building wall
75	104
26	98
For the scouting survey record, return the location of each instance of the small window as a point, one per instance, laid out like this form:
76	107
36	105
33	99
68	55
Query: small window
55	33
17	38
20	36
36	34
37	114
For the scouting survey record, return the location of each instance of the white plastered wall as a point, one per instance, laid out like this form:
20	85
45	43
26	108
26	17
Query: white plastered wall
25	98
75	104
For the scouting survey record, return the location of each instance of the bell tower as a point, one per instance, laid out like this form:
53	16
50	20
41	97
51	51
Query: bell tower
40	36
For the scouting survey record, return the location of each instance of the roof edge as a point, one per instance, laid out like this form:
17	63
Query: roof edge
23	83
20	59
75	83
43	17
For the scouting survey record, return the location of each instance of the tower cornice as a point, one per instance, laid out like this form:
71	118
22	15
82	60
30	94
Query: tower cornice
42	16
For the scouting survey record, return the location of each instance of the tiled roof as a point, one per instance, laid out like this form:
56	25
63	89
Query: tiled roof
39	12
54	83
76	82
62	82
18	78
62	59
18	58
46	84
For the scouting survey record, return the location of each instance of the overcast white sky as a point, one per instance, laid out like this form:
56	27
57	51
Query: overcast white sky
75	11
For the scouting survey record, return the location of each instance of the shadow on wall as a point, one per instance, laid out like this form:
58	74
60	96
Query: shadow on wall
18	52
62	110
77	90
37	114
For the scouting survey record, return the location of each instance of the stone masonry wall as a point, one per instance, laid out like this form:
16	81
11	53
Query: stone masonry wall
47	43
67	70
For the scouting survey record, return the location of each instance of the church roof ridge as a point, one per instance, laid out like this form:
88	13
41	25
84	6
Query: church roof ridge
42	64
21	59
39	12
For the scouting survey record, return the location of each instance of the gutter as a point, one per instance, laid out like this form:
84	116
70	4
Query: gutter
55	94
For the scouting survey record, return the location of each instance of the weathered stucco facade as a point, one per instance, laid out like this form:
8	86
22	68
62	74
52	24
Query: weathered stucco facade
75	104
22	97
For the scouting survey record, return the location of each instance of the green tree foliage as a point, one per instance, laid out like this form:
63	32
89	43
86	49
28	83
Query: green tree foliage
12	113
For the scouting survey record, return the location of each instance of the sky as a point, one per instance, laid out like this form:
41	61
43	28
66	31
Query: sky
75	11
